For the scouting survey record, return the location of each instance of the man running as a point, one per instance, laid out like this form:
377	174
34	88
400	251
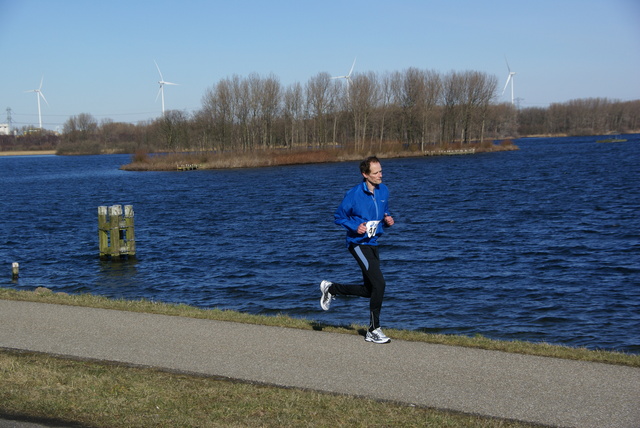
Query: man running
364	212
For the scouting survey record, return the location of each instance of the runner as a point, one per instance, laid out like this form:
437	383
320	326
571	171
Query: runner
364	212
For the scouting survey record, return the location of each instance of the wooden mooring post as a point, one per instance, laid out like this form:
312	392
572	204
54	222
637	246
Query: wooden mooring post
15	271
116	236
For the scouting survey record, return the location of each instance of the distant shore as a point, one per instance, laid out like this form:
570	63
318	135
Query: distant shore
173	161
28	152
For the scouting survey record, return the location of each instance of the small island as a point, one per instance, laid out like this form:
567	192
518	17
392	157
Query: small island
188	161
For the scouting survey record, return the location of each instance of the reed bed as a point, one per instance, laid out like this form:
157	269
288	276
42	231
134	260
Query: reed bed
143	161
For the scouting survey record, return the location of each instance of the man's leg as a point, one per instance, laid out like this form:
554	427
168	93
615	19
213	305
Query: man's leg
368	259
373	280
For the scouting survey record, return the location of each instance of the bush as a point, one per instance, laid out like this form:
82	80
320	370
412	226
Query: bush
140	156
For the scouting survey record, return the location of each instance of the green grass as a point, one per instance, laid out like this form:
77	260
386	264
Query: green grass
44	387
41	387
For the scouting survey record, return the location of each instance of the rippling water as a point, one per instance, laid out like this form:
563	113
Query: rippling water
541	244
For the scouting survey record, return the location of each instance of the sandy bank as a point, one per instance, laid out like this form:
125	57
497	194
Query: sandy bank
28	152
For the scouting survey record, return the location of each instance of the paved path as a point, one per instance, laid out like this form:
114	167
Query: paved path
549	391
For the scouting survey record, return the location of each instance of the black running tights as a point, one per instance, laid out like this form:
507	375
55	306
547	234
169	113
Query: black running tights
373	287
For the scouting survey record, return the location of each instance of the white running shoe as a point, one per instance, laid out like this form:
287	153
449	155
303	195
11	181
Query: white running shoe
376	336
325	300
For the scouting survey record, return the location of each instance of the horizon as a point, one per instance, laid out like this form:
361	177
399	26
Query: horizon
99	60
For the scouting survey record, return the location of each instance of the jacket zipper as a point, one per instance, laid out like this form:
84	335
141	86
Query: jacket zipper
375	203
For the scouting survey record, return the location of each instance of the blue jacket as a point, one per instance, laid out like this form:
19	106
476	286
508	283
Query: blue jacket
360	206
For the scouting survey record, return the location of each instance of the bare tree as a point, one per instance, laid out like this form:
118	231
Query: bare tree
363	98
319	100
270	108
293	111
173	129
453	95
478	91
242	109
84	122
82	128
218	114
386	100
432	97
412	100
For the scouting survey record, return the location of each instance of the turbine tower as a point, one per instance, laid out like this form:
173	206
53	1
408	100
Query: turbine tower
39	95
162	82
509	79
347	77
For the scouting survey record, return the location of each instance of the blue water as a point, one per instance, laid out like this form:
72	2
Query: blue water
540	244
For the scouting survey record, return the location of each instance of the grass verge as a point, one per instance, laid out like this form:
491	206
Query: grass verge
47	388
480	342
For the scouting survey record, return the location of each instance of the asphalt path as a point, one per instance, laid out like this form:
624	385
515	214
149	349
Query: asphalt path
549	391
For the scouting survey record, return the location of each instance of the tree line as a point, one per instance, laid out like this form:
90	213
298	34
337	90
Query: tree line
418	108
589	116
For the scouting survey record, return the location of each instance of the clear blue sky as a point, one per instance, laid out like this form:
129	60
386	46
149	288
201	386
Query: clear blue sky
97	56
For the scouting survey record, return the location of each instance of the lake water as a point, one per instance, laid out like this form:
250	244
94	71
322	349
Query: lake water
540	244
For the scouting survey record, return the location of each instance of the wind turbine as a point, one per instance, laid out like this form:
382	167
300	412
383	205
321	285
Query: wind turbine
509	79
162	83
347	77
39	95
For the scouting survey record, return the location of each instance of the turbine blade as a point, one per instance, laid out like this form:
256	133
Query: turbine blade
505	60
42	95
506	84
159	72
352	65
158	94
41	80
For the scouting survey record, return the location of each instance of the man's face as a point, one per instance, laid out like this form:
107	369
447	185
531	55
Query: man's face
374	176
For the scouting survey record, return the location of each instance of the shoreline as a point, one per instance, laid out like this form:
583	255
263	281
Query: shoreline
269	158
541	349
28	153
235	374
